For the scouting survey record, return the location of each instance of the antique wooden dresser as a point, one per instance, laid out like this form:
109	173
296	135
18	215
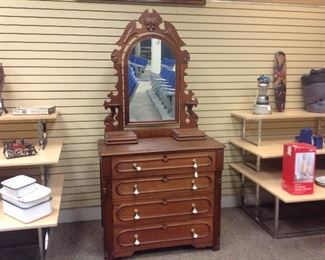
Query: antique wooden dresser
160	175
160	192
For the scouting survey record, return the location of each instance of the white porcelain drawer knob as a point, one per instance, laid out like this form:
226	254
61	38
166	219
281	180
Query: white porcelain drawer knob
136	214
194	210
194	235
136	167
135	189
136	240
194	187
195	166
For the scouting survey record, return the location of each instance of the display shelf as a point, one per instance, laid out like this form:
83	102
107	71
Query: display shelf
6	118
8	223
268	148
48	156
270	180
291	114
48	153
41	123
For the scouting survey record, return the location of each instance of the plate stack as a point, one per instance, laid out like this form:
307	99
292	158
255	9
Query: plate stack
320	180
24	199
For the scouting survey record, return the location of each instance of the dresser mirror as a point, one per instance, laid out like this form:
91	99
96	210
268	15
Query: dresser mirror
150	89
151	81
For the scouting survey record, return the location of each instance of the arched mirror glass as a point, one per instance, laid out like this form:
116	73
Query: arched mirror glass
151	82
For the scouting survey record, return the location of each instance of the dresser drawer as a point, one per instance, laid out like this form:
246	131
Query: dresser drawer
196	232
159	185
151	210
162	163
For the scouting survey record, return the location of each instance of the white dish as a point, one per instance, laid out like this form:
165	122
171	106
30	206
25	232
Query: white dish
320	180
40	194
19	186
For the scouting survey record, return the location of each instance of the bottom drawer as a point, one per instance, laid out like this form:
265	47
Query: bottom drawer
198	233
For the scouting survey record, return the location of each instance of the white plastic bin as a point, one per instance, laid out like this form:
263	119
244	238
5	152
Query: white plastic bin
19	186
40	194
28	208
27	215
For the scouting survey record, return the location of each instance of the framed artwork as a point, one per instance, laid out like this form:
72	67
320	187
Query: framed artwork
178	2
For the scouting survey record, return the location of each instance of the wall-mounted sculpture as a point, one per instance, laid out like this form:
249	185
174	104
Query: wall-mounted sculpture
280	81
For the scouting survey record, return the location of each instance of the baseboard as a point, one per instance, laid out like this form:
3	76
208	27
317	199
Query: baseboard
94	213
229	201
79	214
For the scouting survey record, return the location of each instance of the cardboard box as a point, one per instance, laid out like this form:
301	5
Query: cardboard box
298	168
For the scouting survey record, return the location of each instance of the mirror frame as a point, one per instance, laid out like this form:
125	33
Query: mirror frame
149	26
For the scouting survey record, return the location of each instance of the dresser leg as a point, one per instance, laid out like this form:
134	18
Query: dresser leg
108	255
216	245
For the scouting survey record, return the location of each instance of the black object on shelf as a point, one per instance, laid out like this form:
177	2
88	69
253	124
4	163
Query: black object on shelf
2	82
314	90
15	149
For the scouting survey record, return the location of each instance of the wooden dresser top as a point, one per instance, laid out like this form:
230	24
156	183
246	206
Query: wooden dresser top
157	144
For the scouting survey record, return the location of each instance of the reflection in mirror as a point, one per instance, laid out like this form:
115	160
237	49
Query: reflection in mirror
151	81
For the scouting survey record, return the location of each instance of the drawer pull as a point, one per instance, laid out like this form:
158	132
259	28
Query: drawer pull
195	165
136	214
136	240
194	210
165	158
136	167
164	179
163	226
194	187
194	235
135	190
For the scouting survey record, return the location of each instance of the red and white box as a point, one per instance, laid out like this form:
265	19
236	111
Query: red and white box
298	168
